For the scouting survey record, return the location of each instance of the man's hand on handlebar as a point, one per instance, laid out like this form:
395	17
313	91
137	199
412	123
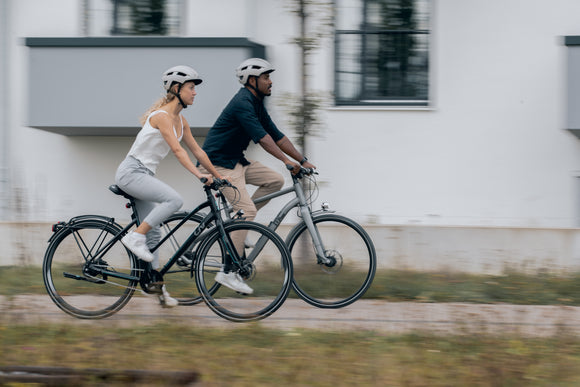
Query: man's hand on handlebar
302	171
305	168
308	165
293	167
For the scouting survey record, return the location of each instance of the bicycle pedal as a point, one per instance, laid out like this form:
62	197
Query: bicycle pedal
155	287
184	262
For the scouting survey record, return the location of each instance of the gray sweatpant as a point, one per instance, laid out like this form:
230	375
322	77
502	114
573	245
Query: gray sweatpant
155	201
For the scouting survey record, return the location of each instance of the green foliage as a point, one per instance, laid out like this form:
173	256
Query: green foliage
316	20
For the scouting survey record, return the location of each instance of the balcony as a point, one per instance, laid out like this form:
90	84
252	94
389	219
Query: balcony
101	86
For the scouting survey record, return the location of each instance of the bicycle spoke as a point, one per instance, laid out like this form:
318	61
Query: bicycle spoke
86	275
268	275
349	262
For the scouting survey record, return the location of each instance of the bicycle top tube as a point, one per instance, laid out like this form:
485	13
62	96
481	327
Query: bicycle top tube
294	188
200	231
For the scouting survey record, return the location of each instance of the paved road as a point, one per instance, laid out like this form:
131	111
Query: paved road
380	316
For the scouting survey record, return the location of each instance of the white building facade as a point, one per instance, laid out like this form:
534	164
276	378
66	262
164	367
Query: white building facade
487	147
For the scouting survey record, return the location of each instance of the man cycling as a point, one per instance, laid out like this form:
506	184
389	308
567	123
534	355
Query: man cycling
246	119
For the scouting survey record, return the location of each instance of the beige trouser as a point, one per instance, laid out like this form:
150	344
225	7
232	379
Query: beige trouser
257	174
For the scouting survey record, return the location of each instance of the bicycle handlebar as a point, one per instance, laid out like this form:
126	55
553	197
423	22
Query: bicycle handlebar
216	184
303	171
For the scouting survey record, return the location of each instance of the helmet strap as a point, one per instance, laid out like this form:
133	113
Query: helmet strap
255	88
183	105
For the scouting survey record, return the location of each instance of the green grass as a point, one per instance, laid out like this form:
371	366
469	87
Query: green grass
254	356
391	285
513	288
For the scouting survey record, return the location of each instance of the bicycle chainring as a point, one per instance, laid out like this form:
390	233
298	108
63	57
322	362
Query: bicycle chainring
151	282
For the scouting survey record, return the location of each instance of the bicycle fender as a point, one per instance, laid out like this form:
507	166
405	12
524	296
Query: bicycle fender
76	222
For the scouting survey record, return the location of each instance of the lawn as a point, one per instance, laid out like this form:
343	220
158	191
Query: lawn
254	356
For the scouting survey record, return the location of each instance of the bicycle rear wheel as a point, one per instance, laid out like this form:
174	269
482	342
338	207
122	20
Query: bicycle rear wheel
178	279
351	270
75	269
269	274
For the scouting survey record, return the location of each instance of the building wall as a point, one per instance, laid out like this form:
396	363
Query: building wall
474	250
492	150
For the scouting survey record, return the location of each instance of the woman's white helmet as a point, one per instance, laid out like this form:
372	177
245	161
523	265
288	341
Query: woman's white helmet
180	74
252	67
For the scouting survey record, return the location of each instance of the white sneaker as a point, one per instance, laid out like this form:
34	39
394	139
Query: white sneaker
233	281
137	244
166	300
248	244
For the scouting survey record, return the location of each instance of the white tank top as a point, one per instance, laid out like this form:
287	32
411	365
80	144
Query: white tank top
150	147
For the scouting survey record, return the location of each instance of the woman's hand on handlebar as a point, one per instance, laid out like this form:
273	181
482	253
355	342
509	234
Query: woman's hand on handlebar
214	183
206	179
225	179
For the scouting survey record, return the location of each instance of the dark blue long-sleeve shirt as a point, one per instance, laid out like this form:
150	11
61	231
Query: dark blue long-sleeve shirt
244	119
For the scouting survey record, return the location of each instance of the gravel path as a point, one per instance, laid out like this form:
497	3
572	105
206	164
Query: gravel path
380	316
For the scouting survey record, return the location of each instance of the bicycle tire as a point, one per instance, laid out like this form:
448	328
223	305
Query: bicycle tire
72	279
270	275
179	279
349	245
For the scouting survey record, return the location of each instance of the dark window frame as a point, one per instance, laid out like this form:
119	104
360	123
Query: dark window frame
367	32
131	17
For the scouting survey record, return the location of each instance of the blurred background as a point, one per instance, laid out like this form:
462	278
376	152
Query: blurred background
448	128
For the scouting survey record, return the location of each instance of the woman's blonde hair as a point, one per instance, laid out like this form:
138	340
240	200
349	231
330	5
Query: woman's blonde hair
156	106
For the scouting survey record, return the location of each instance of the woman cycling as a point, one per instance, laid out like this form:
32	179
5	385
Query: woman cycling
163	129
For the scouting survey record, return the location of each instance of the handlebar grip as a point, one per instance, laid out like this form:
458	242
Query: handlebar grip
217	183
203	180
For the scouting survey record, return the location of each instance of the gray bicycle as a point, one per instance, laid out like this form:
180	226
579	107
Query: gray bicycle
334	258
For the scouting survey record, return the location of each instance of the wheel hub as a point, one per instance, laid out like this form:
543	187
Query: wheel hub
334	263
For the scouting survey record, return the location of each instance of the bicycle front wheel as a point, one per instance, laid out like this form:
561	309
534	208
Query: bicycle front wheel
351	267
84	275
267	269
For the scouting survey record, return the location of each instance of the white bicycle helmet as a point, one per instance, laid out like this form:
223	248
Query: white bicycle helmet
252	67
180	74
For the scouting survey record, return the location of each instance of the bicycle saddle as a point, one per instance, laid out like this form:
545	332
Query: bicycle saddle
114	188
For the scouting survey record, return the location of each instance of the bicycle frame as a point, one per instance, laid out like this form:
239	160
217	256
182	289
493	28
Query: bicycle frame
197	234
306	214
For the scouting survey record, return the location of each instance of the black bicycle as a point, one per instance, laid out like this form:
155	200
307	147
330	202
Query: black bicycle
85	257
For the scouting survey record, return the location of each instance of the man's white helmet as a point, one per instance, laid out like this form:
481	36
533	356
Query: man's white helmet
180	74
252	67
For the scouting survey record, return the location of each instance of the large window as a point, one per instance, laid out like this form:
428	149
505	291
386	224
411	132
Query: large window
132	17
382	52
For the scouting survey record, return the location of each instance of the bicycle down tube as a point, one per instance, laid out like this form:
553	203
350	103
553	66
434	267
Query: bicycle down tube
298	201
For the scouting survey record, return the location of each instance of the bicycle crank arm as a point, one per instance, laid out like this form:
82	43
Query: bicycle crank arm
81	278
